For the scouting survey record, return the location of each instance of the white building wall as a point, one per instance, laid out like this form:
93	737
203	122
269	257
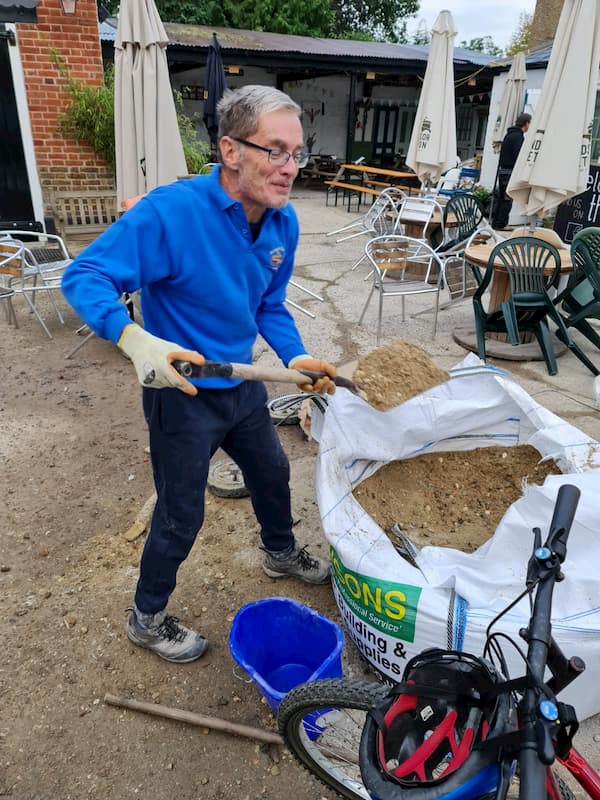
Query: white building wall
324	100
325	109
533	84
489	164
195	77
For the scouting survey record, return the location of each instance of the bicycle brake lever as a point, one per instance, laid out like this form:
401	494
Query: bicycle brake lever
545	743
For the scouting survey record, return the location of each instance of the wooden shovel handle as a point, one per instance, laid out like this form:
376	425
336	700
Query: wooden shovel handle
194	719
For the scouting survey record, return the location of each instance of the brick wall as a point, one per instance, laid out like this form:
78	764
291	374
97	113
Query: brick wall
545	21
62	163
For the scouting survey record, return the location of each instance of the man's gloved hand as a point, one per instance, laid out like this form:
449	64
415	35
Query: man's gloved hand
324	384
152	358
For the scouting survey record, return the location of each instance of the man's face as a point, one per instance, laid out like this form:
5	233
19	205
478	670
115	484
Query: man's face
262	184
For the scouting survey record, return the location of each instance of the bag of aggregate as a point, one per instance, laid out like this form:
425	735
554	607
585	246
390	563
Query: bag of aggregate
397	598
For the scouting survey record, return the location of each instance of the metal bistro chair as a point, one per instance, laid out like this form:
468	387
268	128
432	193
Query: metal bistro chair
415	217
387	219
402	266
368	222
533	268
579	301
30	275
11	256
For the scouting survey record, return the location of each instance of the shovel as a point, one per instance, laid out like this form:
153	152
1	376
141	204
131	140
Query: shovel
250	372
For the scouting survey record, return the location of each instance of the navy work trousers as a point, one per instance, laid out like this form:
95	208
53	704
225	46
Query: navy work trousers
185	432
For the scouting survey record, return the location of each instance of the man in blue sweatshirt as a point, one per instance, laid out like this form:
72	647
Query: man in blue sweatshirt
212	257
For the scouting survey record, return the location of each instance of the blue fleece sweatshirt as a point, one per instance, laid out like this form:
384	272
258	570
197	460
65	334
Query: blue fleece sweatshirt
205	284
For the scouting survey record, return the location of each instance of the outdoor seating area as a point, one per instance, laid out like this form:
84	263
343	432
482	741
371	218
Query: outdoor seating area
182	534
85	400
521	307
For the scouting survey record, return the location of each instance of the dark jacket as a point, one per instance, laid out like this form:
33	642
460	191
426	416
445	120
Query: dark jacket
509	150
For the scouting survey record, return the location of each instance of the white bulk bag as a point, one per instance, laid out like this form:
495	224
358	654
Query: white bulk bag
393	610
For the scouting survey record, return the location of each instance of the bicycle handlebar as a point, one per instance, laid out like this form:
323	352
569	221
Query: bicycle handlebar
537	749
562	519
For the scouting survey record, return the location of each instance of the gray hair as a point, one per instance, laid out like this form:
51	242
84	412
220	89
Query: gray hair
239	109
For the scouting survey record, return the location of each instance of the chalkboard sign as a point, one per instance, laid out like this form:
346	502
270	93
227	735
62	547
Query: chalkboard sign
581	211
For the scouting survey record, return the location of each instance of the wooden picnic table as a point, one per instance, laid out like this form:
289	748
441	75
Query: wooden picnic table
389	173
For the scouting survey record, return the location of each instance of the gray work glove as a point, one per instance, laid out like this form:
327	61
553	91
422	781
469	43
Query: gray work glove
153	357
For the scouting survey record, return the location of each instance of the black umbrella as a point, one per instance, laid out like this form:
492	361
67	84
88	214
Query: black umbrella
214	86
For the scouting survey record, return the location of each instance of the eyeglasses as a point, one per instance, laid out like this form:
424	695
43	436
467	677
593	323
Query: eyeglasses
276	156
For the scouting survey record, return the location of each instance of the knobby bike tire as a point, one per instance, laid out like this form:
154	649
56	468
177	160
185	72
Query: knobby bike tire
326	743
332	755
565	792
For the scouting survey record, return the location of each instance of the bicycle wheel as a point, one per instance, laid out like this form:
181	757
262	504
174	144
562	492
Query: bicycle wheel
563	790
321	723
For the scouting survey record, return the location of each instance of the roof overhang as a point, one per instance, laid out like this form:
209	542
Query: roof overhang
18	10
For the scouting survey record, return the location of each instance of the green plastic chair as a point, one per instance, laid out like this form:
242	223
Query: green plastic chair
533	268
462	215
580	300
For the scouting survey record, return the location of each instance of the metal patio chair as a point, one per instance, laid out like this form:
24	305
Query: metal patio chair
30	274
402	266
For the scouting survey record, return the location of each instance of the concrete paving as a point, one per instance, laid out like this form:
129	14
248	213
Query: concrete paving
325	268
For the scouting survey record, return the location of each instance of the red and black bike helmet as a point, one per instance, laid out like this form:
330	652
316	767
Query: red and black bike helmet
433	735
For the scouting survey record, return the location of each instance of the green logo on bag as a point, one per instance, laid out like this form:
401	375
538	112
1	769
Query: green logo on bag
389	607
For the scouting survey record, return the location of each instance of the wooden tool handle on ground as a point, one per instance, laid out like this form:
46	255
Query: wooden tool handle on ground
194	719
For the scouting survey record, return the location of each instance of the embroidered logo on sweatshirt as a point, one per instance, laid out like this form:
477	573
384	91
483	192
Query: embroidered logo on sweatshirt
277	254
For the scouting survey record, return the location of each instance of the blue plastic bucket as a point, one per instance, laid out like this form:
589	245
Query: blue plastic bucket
281	643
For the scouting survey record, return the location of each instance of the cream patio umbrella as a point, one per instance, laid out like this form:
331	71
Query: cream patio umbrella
148	147
554	161
432	148
511	102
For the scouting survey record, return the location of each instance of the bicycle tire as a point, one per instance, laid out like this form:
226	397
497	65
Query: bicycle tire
565	791
312	741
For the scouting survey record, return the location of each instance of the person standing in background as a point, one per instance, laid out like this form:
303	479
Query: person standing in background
509	151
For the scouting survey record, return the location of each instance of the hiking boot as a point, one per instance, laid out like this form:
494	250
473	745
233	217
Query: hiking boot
163	634
299	563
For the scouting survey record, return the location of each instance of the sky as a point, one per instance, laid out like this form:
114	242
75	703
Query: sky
473	18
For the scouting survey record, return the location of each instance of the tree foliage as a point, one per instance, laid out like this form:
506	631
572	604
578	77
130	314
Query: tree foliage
300	17
381	18
422	35
90	117
521	37
358	19
482	44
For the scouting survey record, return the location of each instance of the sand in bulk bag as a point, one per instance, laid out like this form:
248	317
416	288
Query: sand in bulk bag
392	609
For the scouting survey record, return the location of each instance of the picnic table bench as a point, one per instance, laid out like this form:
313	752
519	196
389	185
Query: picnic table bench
358	190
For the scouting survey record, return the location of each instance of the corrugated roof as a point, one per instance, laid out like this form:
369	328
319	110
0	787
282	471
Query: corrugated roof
534	58
199	36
